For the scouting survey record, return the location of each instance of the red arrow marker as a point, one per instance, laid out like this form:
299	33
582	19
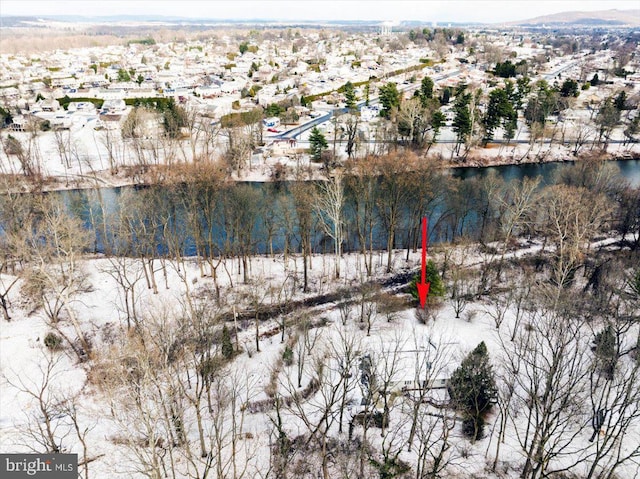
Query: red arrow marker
423	286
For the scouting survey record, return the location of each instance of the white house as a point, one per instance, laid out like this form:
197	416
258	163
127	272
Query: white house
271	122
83	106
114	106
61	121
48	105
210	91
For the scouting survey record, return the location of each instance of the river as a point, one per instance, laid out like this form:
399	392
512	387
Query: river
267	232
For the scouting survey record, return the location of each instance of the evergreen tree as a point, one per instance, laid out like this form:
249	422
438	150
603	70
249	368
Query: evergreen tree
505	70
607	118
426	90
123	75
492	116
500	110
436	288
317	143
523	90
620	101
445	96
389	98
569	88
349	96
605	348
541	104
227	346
462	120
438	120
473	391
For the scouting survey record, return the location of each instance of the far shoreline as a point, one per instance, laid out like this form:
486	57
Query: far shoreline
103	179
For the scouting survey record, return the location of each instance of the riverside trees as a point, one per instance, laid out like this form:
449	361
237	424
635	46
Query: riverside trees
51	243
564	359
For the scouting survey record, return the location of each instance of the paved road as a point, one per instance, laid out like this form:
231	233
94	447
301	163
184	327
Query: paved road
298	130
294	133
562	69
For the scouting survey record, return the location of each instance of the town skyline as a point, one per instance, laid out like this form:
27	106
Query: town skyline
487	11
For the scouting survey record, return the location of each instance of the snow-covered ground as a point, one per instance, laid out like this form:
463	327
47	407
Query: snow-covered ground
91	150
252	375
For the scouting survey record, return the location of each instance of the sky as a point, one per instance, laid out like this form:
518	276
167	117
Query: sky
484	11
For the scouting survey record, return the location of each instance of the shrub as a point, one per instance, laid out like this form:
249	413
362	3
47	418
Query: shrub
53	342
287	356
433	276
227	346
473	426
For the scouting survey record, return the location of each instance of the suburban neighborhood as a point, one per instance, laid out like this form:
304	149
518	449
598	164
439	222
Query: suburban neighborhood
289	77
307	240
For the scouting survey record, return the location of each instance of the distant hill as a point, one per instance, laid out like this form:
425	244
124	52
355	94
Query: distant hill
630	18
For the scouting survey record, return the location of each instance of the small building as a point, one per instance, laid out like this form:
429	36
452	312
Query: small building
211	91
18	123
82	106
114	106
49	105
271	122
61	121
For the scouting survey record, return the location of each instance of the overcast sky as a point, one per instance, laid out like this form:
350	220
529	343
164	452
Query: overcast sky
486	11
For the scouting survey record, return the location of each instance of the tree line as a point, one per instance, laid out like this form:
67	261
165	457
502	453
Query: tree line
562	377
375	204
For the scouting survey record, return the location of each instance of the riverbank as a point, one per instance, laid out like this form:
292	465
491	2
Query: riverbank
264	334
284	168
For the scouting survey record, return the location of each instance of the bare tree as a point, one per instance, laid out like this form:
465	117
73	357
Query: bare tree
614	375
202	203
242	206
387	370
432	357
15	212
239	146
546	367
569	217
46	429
54	243
351	125
394	174
112	141
516	211
329	205
319	412
127	273
26	154
303	201
63	145
70	408
362	184
181	411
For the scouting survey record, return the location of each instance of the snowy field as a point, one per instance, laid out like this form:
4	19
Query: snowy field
139	407
92	152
